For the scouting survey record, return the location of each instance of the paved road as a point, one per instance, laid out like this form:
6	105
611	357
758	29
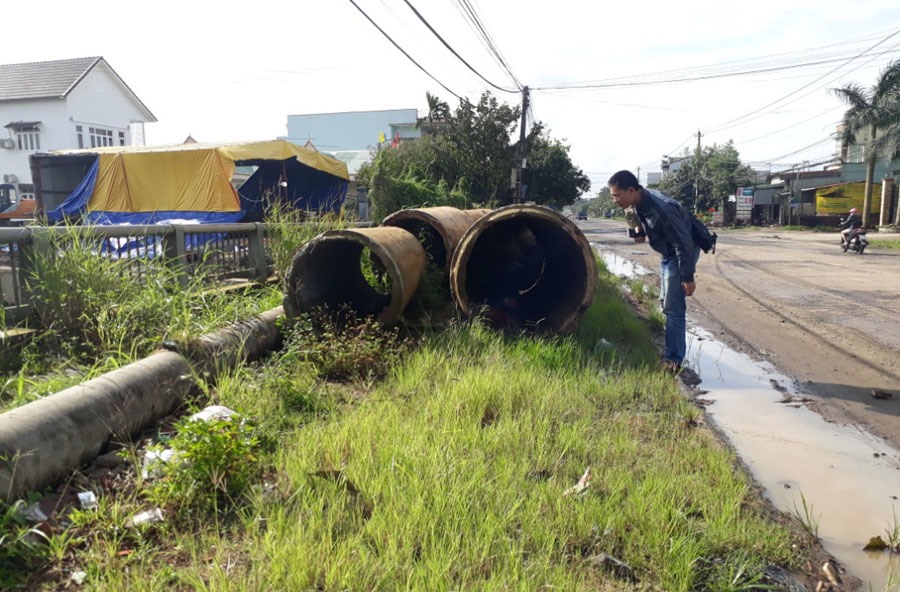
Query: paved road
830	320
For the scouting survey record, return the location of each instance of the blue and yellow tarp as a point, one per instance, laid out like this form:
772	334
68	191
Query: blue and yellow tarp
145	185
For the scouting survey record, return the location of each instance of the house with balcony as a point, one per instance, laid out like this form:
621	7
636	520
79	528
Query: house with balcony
63	104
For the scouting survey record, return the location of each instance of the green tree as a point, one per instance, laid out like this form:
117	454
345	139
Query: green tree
550	176
467	159
875	114
712	172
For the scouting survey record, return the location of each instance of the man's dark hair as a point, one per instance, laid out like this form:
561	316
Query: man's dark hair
624	180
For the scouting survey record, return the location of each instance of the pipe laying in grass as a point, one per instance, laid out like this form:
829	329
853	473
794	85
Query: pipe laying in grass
330	271
524	266
438	229
41	442
237	343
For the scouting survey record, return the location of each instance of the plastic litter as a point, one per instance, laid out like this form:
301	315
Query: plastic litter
88	500
213	412
145	517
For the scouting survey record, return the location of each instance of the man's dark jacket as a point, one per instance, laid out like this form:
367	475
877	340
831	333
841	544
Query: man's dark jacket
668	228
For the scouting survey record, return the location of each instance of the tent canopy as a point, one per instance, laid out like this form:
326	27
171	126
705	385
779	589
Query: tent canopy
144	185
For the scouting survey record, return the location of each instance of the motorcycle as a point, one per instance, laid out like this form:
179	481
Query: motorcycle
856	241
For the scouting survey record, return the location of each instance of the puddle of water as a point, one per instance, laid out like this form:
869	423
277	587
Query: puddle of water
849	479
620	266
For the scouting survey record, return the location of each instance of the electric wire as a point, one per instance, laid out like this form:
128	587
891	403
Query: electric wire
471	15
453	51
409	57
759	111
744	65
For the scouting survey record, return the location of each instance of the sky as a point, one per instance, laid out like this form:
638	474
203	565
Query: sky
621	83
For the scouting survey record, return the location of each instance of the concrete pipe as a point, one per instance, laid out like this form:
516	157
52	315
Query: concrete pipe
438	229
42	441
237	343
524	266
328	271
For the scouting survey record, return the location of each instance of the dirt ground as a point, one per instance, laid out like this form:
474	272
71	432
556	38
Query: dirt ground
828	319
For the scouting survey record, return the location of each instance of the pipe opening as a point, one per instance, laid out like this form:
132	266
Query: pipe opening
359	272
335	274
430	239
524	271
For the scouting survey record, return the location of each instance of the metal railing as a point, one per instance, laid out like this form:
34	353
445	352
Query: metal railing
220	251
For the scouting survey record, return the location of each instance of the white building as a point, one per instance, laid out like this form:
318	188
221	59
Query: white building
75	103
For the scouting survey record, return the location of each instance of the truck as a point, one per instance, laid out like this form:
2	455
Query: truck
15	209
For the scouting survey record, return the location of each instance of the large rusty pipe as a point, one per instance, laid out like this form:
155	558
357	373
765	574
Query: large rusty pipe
524	266
42	441
438	229
328	272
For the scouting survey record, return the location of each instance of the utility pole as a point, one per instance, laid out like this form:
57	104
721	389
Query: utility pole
697	175
522	163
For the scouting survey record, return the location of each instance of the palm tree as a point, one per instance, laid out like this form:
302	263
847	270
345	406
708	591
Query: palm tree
876	113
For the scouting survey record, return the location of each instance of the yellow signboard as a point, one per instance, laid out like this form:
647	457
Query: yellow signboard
836	200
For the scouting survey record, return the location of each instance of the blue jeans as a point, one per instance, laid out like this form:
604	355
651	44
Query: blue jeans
674	307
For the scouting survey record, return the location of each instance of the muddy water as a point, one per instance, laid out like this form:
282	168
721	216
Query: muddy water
838	480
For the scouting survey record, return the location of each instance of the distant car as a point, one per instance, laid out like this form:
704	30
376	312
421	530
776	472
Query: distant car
582	215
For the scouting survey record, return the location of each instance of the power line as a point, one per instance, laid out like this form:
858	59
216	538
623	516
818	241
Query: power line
409	57
453	51
759	64
758	111
633	83
469	13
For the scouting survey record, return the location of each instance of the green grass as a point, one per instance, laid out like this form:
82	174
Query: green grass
95	314
448	473
884	243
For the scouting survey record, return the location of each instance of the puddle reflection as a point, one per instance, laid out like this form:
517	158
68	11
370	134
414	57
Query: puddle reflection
848	478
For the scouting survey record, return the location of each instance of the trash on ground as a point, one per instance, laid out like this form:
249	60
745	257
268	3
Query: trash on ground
213	412
582	484
145	517
88	500
30	512
155	461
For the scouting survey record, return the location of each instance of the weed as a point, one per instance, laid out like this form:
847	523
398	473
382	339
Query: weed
344	346
893	532
806	517
22	548
374	272
213	465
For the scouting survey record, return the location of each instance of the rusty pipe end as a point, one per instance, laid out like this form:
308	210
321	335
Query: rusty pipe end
327	272
524	266
438	228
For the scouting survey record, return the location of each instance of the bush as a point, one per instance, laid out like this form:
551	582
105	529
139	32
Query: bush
213	465
343	346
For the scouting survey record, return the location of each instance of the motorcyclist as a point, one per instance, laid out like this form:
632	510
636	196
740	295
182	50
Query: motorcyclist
853	222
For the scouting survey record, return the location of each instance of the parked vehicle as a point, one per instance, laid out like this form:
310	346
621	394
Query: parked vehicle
14	209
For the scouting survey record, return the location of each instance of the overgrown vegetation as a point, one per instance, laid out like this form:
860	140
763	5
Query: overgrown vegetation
97	313
447	465
289	228
464	159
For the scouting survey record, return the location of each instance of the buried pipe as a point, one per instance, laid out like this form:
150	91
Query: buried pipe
333	271
524	266
42	441
438	229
